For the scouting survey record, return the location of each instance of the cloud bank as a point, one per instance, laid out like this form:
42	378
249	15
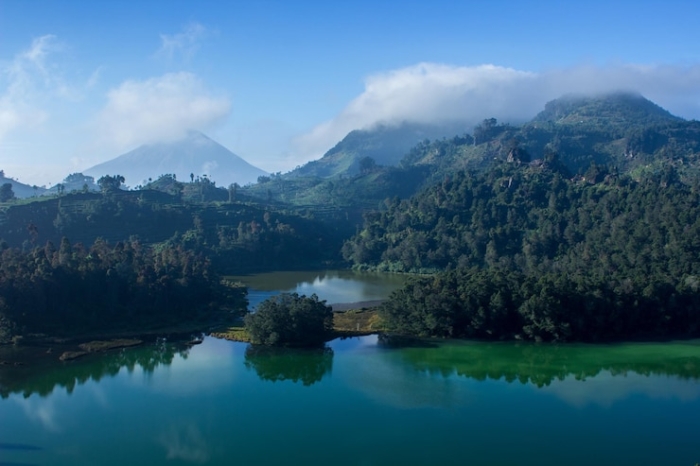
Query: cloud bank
431	93
159	109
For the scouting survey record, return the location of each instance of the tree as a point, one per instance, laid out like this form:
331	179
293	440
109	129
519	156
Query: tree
485	130
110	183
6	192
290	320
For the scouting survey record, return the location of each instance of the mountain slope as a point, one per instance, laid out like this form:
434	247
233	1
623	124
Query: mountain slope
196	154
620	130
386	144
576	135
21	190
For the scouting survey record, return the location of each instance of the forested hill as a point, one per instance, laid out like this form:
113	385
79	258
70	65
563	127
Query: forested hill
525	252
237	236
620	130
618	111
535	219
385	144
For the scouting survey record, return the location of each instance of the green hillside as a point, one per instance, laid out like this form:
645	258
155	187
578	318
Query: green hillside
524	252
237	236
384	144
620	130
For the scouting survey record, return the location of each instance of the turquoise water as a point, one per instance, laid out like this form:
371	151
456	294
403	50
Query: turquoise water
360	401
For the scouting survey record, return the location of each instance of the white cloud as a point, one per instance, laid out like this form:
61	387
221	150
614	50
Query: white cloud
34	83
183	44
429	92
25	79
159	110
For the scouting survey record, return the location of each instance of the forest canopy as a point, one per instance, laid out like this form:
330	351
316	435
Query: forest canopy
522	252
290	320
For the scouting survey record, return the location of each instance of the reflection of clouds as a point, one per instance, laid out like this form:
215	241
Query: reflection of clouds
41	410
185	443
342	290
605	388
99	395
331	286
193	374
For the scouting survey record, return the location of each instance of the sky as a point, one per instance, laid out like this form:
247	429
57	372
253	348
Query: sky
280	83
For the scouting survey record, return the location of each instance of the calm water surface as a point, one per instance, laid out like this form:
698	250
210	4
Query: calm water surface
334	286
360	401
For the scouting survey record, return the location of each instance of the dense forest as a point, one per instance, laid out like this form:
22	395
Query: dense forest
531	218
72	289
236	236
528	253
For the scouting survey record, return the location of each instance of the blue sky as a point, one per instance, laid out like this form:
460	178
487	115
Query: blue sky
279	83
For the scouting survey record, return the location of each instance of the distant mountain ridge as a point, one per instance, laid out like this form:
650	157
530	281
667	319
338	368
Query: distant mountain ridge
21	190
623	131
385	143
196	155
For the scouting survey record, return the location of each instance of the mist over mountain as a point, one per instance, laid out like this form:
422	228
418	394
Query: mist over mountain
386	144
21	190
581	135
196	155
622	130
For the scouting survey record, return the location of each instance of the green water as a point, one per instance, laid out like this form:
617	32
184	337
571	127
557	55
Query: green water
334	286
361	401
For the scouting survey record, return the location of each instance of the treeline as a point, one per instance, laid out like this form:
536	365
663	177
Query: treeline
528	253
71	289
237	237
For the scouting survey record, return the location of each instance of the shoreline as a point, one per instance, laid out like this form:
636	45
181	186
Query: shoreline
26	348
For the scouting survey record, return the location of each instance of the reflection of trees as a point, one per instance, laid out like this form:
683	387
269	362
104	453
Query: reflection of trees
43	377
542	364
305	365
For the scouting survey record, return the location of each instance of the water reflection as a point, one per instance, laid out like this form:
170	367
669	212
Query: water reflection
542	364
42	375
576	374
606	389
307	366
185	443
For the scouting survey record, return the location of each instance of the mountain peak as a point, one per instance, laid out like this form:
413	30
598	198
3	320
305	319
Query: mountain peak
195	154
611	109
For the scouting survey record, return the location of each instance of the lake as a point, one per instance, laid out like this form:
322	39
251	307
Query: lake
359	401
333	286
